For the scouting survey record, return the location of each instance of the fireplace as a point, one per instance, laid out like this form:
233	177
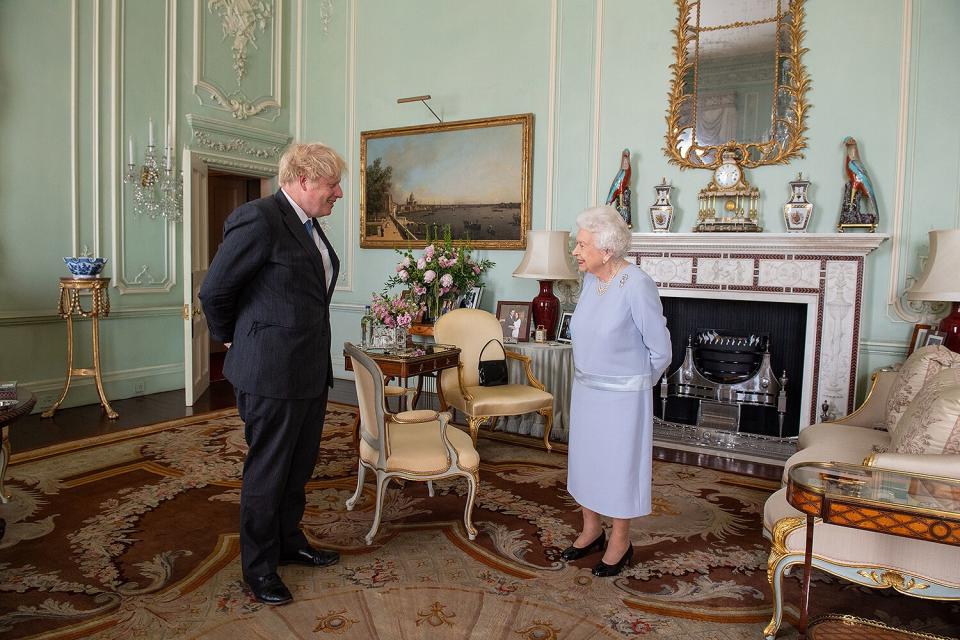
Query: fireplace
817	280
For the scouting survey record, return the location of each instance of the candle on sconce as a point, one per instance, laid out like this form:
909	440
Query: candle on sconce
150	132
169	160
130	159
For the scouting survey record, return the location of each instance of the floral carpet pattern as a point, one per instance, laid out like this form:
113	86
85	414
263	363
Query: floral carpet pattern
134	536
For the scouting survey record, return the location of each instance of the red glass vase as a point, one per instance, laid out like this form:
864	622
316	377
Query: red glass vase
546	309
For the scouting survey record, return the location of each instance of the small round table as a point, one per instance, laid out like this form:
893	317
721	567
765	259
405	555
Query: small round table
9	415
70	305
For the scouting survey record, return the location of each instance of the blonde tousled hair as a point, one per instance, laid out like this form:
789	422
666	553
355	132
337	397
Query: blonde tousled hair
312	160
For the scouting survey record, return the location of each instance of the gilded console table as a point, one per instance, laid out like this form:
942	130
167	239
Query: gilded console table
896	503
70	305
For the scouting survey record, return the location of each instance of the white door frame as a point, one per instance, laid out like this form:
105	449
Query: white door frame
195	249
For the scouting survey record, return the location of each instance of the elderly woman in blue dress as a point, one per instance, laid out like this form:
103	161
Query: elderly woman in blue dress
621	346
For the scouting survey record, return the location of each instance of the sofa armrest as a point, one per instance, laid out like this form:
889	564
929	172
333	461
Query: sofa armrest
873	411
931	464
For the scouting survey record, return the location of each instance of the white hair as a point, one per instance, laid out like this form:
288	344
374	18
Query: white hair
610	231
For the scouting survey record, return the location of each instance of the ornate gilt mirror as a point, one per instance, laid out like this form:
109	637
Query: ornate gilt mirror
738	81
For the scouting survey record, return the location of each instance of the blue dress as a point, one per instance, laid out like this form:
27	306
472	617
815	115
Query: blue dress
621	346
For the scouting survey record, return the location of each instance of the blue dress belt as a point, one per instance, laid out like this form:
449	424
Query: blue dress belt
638	382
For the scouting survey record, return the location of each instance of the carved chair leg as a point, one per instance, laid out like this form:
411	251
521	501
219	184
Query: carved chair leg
382	481
775	575
547	427
356	494
475	423
472	480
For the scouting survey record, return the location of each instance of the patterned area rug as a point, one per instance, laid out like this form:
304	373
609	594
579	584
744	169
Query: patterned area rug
134	536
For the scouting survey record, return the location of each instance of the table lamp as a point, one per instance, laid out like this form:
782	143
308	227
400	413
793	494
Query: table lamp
546	261
940	282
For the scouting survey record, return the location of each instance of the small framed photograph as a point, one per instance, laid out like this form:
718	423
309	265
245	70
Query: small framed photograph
514	320
919	337
471	299
563	329
935	338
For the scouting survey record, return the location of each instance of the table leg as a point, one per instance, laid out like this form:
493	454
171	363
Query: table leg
416	396
113	415
805	589
4	459
66	385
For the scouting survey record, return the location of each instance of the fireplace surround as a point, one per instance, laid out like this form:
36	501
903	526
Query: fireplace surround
823	271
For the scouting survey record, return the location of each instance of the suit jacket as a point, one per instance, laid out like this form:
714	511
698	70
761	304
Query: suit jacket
266	293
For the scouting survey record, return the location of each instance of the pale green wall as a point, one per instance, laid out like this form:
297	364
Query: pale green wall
476	59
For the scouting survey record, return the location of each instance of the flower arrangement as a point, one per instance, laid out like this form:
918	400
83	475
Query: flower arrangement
440	275
394	311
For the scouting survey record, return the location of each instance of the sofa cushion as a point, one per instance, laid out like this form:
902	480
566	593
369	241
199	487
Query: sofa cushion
921	366
827	442
931	423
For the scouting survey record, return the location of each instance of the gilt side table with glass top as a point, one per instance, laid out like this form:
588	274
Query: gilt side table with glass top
70	305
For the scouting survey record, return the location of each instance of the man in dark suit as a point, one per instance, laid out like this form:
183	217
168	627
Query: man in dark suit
267	296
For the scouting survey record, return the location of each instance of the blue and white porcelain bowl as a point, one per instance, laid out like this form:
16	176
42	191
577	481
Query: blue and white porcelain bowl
83	267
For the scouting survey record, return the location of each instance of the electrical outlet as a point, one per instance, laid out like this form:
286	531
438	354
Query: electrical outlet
139	388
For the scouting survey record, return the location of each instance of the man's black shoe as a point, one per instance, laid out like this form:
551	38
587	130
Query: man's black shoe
269	589
311	557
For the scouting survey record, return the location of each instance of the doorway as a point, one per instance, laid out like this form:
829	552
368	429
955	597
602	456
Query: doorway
226	192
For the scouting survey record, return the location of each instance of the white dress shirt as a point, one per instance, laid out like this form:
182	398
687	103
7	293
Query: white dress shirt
327	263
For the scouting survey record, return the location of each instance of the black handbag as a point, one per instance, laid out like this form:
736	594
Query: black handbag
493	373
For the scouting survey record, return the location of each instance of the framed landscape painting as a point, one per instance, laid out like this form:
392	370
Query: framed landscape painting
472	175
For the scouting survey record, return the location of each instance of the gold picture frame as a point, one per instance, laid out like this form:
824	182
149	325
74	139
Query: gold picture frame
473	176
787	129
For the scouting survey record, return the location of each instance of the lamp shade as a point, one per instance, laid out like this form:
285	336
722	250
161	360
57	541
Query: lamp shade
546	256
940	280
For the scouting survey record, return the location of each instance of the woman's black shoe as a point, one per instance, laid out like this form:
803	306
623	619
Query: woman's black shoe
575	553
604	570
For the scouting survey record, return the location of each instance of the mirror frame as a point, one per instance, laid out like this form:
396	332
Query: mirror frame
769	152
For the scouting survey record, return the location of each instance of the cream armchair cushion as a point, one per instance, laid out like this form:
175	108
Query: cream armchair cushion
470	330
931	423
921	366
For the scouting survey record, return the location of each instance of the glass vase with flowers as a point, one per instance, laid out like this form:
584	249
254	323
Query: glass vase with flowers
392	316
440	275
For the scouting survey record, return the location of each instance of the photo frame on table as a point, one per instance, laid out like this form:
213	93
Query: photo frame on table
935	338
514	320
415	180
919	337
563	328
471	299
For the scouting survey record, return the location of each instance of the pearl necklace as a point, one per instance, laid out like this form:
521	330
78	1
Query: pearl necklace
603	286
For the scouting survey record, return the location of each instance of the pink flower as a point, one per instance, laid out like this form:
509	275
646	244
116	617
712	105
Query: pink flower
446	280
476	269
428	252
429	276
405	262
404	320
403	275
419	289
421	264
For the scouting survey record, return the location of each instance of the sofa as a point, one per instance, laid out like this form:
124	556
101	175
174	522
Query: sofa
910	421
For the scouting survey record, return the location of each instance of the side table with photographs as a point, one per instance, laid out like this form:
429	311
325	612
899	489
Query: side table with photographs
552	365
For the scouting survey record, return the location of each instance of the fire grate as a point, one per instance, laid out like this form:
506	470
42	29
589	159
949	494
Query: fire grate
724	372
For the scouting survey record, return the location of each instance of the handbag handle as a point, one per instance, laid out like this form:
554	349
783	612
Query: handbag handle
480	357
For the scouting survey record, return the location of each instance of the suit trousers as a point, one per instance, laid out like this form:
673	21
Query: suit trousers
283	437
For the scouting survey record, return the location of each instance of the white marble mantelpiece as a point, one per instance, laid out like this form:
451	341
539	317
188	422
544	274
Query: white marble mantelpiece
824	271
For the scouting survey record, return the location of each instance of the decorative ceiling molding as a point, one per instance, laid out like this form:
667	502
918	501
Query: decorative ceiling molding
241	20
237	140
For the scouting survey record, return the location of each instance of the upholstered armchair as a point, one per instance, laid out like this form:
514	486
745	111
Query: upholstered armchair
470	330
413	445
910	421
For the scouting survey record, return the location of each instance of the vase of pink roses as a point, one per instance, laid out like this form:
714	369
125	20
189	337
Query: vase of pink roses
392	317
438	276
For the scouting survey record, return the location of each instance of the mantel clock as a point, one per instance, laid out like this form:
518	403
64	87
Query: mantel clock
729	202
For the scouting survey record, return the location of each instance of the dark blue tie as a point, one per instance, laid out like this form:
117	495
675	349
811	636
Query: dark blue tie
308	225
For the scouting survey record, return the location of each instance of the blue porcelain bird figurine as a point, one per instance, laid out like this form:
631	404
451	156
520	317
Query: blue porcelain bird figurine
619	195
858	186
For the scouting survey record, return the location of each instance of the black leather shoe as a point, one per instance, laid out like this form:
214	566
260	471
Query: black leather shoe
604	570
311	557
269	589
575	553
